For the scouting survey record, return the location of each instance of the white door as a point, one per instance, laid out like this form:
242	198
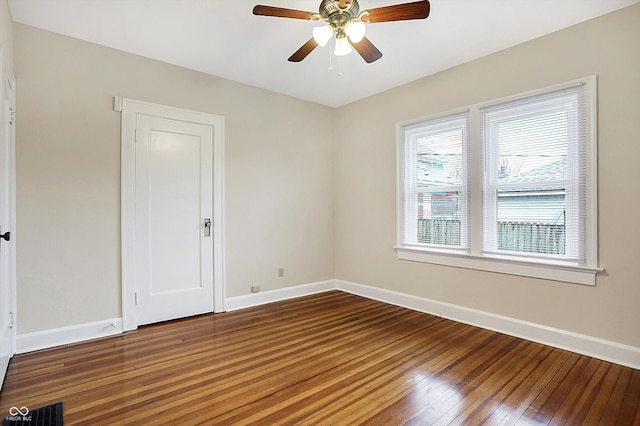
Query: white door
7	219
173	214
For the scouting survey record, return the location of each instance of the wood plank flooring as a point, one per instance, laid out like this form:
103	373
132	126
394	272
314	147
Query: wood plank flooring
332	358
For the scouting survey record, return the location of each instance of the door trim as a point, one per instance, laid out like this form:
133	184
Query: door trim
8	101
130	110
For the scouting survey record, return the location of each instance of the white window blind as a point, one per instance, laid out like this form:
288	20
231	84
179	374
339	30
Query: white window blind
434	176
535	188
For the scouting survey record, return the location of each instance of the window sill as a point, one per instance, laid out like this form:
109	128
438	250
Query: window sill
556	271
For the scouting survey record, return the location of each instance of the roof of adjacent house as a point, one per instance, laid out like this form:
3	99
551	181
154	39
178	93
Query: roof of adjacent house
548	172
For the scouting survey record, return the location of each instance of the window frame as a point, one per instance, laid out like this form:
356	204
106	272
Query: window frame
572	179
413	133
475	257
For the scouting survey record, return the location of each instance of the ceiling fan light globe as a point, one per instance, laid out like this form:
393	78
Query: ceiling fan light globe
342	47
355	30
322	34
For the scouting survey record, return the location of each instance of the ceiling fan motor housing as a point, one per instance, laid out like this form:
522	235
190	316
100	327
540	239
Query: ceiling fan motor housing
332	13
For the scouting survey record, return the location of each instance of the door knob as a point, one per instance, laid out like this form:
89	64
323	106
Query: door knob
6	236
207	227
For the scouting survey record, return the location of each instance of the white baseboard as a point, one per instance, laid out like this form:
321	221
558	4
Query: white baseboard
63	336
606	350
255	299
586	345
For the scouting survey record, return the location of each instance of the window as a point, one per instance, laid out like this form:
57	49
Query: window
435	182
532	208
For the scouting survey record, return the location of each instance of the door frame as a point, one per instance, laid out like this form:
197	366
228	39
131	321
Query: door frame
7	115
130	110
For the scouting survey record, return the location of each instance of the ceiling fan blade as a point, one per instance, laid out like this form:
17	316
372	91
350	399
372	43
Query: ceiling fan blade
281	12
367	50
399	12
302	53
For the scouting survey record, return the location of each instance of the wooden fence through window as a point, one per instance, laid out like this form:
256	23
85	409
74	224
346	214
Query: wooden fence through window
525	237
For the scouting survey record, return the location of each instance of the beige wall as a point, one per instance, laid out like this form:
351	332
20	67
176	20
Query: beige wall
279	177
366	181
6	29
294	199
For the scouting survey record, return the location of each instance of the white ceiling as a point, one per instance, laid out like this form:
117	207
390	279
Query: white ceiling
224	38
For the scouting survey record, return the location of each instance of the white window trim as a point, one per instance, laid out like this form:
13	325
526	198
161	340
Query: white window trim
555	271
528	267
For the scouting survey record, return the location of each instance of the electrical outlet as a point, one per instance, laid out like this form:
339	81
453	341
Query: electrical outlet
280	272
255	288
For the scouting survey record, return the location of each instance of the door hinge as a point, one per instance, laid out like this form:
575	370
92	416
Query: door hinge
12	320
12	116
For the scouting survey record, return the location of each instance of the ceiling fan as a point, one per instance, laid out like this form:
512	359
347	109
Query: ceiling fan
345	20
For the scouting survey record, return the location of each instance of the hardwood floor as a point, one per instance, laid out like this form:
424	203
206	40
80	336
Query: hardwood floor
332	358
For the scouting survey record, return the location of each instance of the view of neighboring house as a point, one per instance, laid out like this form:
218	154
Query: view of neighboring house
529	219
515	205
